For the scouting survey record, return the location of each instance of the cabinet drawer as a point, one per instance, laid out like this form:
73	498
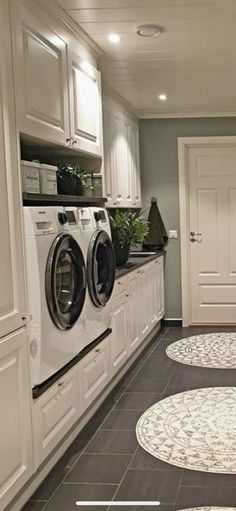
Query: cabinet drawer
94	373
54	414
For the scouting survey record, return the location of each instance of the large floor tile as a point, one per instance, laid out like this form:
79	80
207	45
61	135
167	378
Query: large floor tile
162	507
159	485
142	460
99	468
195	478
113	442
148	384
52	481
67	495
121	419
205	496
137	400
33	505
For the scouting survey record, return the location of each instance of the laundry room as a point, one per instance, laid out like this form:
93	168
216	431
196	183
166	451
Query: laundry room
118	274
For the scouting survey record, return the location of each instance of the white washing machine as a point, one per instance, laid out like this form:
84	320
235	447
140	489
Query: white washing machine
56	278
100	271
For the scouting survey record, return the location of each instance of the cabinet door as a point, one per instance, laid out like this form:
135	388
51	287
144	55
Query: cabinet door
154	293
12	302
41	71
108	140
15	426
94	373
128	164
119	344
136	179
55	412
85	105
143	302
133	323
161	301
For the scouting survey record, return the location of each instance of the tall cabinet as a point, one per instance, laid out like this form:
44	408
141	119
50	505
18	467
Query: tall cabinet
121	156
15	424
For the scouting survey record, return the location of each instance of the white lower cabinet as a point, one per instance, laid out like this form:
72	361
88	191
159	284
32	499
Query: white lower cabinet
54	413
94	373
119	344
137	306
16	451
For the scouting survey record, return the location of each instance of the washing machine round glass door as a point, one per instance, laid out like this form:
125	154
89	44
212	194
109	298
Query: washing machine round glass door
65	281
100	268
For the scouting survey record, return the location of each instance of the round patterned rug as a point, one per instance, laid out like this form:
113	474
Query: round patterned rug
217	350
209	509
194	430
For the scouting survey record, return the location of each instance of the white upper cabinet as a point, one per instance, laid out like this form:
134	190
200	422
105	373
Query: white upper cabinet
12	300
58	89
85	105
121	156
41	72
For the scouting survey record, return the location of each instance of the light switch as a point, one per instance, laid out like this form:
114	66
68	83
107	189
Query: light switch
173	234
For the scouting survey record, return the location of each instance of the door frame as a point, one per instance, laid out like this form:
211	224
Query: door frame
184	144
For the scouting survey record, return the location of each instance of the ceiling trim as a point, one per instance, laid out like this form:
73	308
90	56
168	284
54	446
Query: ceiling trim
71	26
181	115
108	90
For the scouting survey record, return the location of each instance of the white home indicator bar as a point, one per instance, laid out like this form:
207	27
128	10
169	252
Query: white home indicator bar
117	503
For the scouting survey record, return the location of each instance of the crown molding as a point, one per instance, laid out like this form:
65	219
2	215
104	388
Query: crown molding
53	8
183	115
109	91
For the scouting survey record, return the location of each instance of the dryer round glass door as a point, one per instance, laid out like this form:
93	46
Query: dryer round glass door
65	281
100	268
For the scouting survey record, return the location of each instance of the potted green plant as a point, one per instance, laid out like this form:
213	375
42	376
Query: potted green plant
71	180
127	229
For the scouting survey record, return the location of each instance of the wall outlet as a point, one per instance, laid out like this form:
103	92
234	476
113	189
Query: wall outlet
173	234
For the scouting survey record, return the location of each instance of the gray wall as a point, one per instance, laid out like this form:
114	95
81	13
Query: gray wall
159	177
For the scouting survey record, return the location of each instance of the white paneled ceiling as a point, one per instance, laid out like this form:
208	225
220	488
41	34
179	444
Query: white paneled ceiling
193	60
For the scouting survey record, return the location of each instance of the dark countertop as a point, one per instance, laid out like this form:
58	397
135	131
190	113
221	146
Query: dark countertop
135	262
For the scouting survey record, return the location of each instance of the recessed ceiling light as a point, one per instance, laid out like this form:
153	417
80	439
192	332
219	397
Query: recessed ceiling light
162	97
114	38
148	30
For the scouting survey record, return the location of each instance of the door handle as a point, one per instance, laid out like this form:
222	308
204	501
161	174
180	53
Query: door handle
192	237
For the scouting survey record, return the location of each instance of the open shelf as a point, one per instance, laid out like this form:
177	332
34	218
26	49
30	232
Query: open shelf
41	199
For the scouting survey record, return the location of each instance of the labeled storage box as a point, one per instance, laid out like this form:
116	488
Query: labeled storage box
48	179
30	176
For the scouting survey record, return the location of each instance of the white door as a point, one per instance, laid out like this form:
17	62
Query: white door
12	302
16	452
41	72
85	105
210	231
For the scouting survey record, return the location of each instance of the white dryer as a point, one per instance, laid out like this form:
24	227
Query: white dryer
56	280
100	271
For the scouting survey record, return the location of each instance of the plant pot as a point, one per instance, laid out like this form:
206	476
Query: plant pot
66	183
121	254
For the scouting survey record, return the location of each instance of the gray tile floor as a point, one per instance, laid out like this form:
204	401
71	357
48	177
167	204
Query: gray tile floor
105	462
